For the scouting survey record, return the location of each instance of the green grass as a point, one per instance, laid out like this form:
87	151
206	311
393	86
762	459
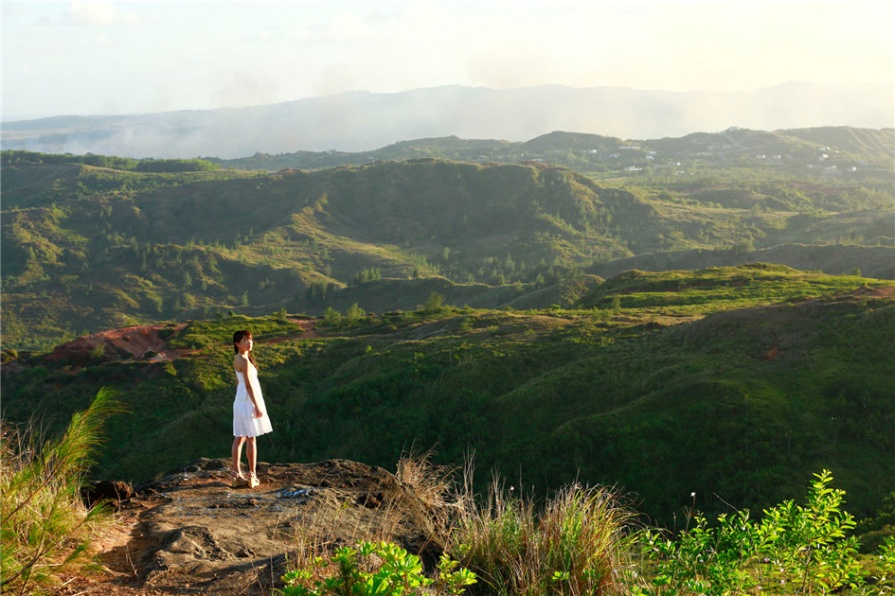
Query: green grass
46	529
577	543
720	288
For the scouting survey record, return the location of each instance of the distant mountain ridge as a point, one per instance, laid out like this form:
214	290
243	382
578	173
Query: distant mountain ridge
362	121
806	148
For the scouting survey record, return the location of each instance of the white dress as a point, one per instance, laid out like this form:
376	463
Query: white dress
244	423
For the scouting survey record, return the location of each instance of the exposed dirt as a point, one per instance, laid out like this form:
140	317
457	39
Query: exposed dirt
307	327
882	292
191	533
143	342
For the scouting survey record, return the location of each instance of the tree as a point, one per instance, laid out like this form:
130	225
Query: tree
433	303
355	313
331	316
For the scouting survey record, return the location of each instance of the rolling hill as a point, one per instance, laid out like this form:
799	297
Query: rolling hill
92	242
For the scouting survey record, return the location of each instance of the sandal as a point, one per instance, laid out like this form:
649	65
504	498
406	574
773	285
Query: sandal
237	480
253	480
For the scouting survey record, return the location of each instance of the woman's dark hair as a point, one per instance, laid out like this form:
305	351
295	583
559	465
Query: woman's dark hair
238	337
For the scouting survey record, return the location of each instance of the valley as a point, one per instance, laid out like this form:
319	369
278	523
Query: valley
94	242
723	333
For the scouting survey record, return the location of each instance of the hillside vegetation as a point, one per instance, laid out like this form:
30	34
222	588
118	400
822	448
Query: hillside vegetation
731	383
93	242
837	150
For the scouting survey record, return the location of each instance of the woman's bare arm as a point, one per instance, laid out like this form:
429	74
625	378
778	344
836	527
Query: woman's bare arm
241	364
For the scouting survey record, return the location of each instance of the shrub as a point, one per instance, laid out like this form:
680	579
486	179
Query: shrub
373	569
433	304
796	549
45	526
354	314
332	317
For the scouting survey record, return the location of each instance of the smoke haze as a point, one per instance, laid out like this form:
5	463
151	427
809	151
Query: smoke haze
363	121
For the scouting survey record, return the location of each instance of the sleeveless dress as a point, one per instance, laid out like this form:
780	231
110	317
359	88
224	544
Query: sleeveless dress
244	424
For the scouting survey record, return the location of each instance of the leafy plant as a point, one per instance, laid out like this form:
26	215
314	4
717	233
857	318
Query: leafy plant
799	549
885	576
374	569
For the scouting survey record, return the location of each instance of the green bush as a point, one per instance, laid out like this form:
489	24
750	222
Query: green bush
374	569
796	549
332	317
433	304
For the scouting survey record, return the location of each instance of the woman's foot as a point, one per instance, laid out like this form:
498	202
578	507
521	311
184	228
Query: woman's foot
253	480
237	480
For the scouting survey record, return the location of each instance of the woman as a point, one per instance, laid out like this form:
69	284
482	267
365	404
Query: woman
249	415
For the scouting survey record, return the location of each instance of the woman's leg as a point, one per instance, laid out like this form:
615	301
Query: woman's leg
251	454
236	452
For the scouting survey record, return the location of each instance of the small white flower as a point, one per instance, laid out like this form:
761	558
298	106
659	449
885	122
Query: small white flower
693	494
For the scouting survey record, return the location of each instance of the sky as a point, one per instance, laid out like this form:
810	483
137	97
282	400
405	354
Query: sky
102	57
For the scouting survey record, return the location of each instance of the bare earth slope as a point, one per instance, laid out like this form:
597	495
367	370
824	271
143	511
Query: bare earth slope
191	533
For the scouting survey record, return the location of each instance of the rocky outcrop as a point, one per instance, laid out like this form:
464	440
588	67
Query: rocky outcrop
191	533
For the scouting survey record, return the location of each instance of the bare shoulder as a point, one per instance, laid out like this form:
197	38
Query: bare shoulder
240	363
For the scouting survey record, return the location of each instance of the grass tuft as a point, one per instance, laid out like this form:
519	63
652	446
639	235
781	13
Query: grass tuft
46	528
577	543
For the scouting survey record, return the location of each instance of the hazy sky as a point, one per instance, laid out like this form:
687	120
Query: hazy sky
100	57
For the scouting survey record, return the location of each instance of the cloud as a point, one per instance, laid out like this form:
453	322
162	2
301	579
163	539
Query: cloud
98	13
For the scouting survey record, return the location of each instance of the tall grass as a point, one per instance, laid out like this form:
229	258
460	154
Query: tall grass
577	543
587	541
45	528
317	559
435	488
